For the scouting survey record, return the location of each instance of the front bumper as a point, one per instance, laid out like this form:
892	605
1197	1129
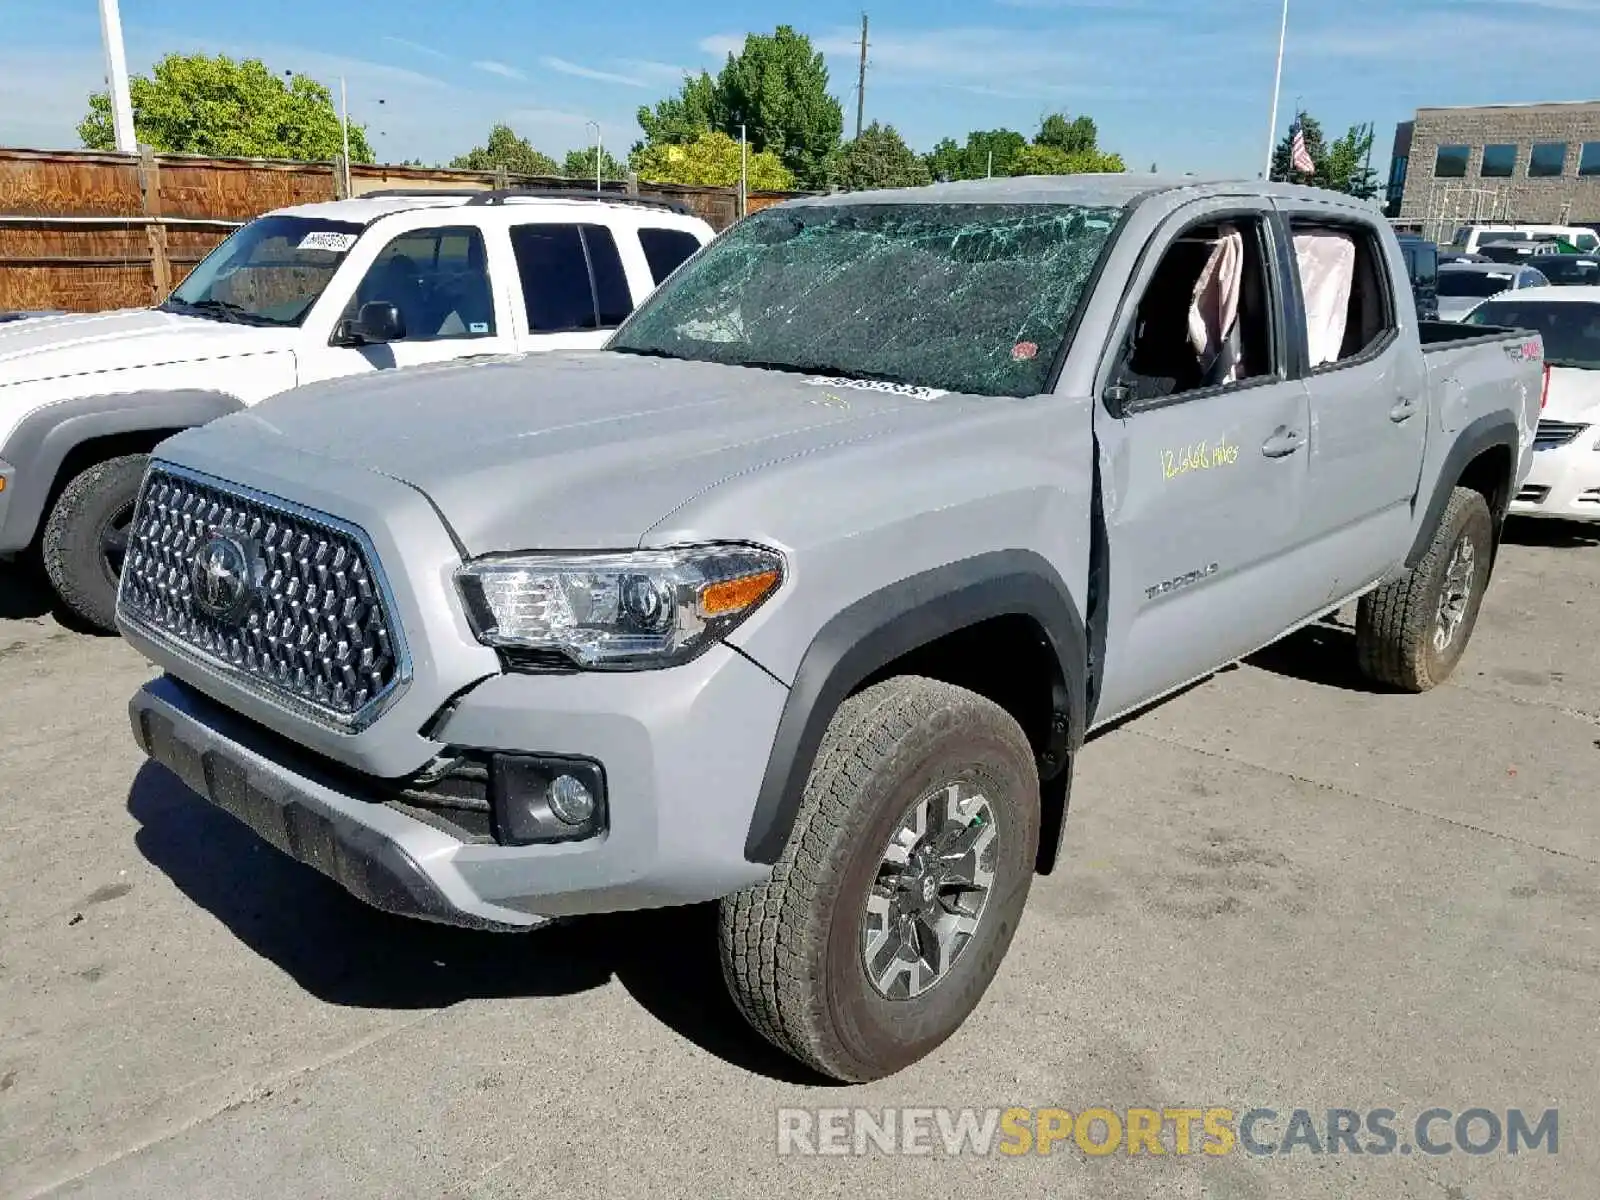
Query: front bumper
1563	482
683	750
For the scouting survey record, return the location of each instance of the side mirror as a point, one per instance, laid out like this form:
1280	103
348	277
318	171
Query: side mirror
378	322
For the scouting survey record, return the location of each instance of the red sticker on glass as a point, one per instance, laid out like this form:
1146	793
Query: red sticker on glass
1023	351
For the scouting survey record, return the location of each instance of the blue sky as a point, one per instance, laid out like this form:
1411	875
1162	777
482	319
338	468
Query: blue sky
1185	84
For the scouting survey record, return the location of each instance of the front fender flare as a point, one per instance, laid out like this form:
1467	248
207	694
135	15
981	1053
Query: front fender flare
880	628
40	443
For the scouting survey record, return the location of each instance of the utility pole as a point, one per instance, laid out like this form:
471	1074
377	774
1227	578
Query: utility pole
117	77
861	82
744	174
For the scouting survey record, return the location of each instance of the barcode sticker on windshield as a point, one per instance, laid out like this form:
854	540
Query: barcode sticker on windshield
879	385
336	243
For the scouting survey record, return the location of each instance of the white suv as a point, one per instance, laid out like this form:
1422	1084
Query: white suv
391	279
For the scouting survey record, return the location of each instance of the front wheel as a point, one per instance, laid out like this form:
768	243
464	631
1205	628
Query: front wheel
86	537
902	884
1411	633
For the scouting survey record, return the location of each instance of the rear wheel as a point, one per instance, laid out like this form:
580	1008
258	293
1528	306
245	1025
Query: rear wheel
1411	633
86	537
902	884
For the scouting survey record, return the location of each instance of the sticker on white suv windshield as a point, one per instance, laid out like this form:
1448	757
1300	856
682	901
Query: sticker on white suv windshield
326	239
878	385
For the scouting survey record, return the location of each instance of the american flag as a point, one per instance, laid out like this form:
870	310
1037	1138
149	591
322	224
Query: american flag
1299	155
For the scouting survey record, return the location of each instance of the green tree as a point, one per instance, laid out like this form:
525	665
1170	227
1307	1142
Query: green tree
1049	160
711	160
879	158
579	164
1340	166
505	149
1077	136
696	109
196	104
776	88
985	152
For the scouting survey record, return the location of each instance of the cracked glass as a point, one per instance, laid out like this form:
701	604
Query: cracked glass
959	297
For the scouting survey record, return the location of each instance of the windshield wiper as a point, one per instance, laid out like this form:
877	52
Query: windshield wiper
820	369
235	313
646	352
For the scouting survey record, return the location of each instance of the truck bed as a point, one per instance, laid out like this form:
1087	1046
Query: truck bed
1440	335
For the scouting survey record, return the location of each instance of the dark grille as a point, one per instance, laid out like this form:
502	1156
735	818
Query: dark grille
315	632
1532	494
1555	433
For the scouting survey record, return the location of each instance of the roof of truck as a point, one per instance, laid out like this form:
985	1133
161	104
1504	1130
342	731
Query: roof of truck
1093	191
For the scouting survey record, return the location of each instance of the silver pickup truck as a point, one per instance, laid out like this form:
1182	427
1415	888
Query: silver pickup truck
802	595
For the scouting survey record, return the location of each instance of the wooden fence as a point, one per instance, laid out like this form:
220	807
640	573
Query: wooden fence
86	231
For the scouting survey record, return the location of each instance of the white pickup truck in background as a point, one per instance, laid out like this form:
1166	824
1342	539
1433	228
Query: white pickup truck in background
304	294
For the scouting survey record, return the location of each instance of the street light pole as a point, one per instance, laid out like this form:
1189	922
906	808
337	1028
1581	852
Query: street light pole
597	152
344	130
1277	86
117	77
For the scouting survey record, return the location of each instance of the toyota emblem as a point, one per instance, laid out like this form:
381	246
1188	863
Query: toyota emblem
222	575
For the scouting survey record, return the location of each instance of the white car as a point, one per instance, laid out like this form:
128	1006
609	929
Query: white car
1565	478
1464	286
391	279
1470	237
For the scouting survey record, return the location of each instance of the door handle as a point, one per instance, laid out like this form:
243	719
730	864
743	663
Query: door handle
1282	443
1403	411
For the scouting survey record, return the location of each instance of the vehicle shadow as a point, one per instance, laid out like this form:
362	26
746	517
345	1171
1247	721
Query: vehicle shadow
1323	653
1557	535
24	594
346	953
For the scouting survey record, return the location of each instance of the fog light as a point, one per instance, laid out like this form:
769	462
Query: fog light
545	798
570	800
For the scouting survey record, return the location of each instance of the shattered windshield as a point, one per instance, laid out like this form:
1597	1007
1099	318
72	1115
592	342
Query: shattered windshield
971	298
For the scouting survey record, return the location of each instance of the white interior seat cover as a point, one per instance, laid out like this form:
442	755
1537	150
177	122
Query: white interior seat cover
1327	264
1214	312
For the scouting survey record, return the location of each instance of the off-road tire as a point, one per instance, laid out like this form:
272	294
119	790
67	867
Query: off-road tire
1395	624
70	545
791	947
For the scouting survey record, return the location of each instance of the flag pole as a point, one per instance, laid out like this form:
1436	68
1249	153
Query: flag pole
1277	86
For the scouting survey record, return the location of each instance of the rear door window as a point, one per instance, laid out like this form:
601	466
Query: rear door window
572	277
613	300
666	249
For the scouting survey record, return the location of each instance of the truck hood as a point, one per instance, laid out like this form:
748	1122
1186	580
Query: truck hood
562	450
91	343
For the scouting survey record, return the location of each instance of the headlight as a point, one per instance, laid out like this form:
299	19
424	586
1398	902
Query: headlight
646	608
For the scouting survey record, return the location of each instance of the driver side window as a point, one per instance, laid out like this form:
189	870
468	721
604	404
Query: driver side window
1205	319
439	281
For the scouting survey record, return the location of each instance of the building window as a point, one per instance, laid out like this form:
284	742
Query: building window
1589	162
1548	158
1451	162
1397	178
1499	162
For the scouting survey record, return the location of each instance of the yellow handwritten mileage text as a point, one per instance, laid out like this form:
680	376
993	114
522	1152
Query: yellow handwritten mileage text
1098	1132
1199	457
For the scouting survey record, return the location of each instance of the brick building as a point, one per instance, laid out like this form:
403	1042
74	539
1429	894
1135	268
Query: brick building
1533	163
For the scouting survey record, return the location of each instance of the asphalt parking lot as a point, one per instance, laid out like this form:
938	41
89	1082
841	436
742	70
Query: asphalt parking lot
1282	891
